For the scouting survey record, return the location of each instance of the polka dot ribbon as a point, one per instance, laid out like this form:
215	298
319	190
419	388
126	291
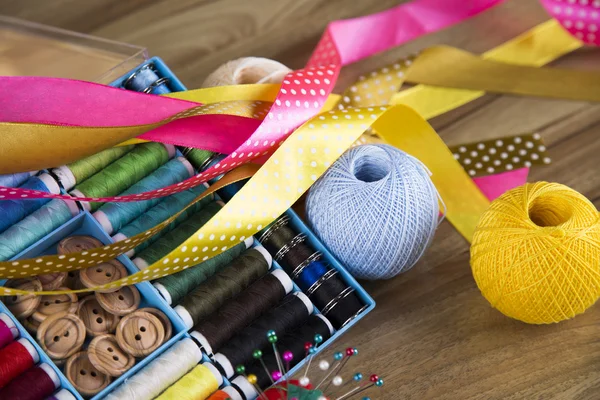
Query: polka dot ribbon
580	17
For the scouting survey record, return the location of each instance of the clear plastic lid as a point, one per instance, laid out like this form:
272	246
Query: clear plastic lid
30	49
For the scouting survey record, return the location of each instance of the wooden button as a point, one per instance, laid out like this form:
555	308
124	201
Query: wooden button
82	374
122	302
140	333
61	335
96	319
52	304
53	281
31	325
108	357
23	306
77	244
163	319
102	274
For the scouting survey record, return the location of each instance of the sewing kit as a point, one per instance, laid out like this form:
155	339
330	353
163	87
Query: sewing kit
160	256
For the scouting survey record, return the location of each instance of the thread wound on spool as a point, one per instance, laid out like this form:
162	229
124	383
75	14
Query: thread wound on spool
535	255
376	210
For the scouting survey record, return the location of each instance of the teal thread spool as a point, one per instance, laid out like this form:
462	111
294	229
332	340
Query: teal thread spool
160	212
71	174
175	287
35	226
113	216
177	236
123	173
198	157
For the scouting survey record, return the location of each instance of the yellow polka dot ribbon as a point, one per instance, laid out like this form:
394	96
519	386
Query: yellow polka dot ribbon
285	176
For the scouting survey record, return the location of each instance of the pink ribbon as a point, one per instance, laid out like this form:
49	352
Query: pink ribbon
581	18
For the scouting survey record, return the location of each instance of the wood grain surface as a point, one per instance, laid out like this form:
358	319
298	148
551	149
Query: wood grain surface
432	335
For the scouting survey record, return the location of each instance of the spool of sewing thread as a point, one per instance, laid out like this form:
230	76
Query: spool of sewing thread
146	80
247	70
8	330
14	180
124	172
113	216
336	300
238	275
160	373
62	394
289	315
375	209
36	383
309	275
35	226
292	342
160	212
16	358
71	174
277	234
199	383
296	254
198	157
175	287
176	237
237	313
227	393
12	211
534	253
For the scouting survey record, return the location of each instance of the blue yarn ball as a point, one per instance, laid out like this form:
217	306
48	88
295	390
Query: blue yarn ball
376	210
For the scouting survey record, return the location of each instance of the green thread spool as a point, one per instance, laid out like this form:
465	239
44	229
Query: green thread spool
123	173
227	283
35	226
175	287
69	175
176	237
160	212
113	216
198	157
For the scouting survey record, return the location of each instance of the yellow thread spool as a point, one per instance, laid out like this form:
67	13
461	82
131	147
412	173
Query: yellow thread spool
198	384
536	253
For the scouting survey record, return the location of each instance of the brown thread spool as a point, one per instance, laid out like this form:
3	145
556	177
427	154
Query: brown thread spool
61	335
140	333
108	357
96	319
54	304
120	302
84	376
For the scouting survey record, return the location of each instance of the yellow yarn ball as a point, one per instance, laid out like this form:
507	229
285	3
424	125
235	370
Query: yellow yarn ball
536	253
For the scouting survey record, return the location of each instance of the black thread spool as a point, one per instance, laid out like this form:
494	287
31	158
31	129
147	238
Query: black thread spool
293	342
336	300
237	313
239	274
296	254
277	235
291	313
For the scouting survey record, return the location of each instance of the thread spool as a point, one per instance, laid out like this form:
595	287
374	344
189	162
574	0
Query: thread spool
8	330
296	254
71	174
35	226
14	180
198	157
247	70
176	237
16	358
175	287
237	313
12	211
228	393
170	366
232	280
375	209
146	80
290	314
160	212
309	275
277	234
36	383
62	394
534	255
124	172
113	216
199	383
293	342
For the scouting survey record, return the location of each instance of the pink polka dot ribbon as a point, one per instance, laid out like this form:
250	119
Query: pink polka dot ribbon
580	17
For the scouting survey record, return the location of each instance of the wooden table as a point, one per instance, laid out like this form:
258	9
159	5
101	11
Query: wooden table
432	335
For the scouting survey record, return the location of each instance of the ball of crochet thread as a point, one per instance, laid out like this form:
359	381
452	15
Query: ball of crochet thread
536	253
376	210
247	70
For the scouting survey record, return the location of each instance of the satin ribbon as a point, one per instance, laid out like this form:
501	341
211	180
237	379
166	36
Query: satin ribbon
580	18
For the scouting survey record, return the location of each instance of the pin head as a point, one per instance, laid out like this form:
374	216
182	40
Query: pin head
338	356
307	346
312	350
257	354
304	381
288	356
318	338
379	382
271	333
240	369
272	339
337	381
323	365
358	376
373	378
276	375
349	351
252	379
